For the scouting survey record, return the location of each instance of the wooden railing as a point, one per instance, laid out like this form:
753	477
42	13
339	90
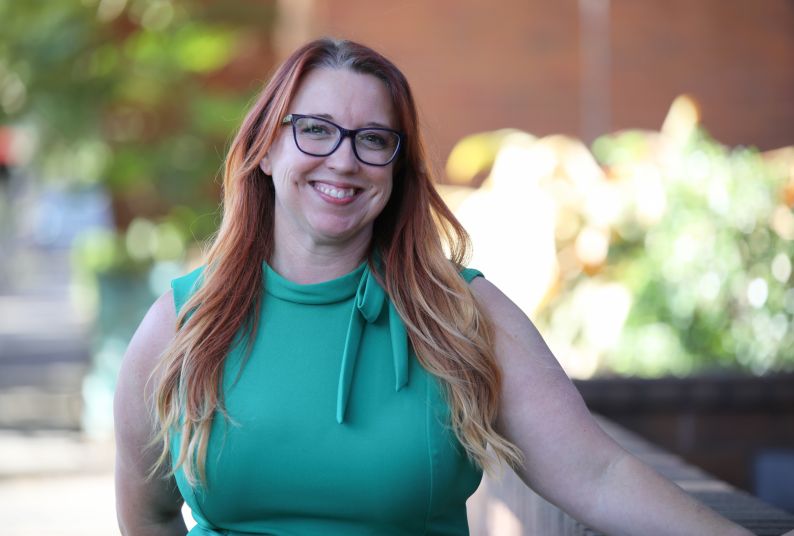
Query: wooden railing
506	507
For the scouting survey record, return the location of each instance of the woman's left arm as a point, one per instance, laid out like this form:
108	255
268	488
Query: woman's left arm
569	460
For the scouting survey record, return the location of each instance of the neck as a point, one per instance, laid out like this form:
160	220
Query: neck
308	262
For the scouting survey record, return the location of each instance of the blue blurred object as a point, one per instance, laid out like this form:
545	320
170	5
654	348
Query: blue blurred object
61	214
774	477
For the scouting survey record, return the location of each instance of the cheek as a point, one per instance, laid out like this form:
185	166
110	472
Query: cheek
388	182
387	191
291	171
285	160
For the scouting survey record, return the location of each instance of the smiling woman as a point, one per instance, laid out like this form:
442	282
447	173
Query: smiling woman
330	370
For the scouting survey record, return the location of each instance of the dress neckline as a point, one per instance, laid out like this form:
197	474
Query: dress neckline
331	291
368	305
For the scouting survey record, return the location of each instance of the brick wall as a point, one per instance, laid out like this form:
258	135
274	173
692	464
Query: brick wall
735	57
519	63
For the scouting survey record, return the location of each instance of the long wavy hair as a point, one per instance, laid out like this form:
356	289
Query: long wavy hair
422	247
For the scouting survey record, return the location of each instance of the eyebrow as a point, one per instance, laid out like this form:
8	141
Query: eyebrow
369	124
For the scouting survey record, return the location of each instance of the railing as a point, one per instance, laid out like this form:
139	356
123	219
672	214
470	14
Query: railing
506	507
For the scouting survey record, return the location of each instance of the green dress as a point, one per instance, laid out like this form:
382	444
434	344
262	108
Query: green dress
335	428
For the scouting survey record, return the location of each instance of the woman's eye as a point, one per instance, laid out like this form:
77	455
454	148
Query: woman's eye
373	140
315	129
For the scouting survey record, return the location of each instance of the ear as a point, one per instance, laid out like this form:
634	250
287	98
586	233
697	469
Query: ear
266	166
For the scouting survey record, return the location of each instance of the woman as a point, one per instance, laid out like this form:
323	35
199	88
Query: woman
330	370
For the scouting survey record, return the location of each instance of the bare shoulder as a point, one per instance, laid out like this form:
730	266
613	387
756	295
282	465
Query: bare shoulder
133	389
496	303
518	342
487	293
154	333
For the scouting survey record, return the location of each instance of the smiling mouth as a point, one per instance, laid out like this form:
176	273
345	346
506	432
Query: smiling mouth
335	192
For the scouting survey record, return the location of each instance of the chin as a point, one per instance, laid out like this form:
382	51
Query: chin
331	234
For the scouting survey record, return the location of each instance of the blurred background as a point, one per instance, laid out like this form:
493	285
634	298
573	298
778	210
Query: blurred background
626	170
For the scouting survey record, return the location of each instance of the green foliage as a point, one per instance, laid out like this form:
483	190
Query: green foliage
711	280
131	94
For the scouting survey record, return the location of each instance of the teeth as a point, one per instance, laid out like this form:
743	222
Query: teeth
339	193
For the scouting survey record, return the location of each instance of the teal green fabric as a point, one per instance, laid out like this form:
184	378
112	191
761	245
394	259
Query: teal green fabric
334	427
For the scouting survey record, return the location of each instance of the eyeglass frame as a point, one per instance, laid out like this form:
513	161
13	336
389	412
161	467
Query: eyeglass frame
344	133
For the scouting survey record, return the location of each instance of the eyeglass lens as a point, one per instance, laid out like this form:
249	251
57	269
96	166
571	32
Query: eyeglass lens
319	137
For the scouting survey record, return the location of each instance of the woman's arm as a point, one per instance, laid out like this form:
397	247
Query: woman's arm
569	460
144	506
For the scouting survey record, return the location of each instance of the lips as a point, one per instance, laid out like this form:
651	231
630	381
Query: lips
339	193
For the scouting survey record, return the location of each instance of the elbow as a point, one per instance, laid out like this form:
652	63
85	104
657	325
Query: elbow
141	520
171	526
602	484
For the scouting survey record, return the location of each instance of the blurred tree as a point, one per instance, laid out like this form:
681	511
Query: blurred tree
140	98
138	95
711	277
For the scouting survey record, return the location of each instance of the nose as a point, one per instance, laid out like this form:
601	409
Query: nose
344	158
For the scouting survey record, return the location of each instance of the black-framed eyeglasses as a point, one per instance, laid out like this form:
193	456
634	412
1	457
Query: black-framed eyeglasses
316	136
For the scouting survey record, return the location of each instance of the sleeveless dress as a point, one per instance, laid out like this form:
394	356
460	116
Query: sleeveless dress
334	427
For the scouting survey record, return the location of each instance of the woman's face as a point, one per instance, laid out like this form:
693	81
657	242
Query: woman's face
334	199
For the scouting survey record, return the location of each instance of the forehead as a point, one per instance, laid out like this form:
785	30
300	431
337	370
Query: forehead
347	96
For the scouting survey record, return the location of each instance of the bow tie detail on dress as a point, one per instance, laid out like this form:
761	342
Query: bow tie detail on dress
368	305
